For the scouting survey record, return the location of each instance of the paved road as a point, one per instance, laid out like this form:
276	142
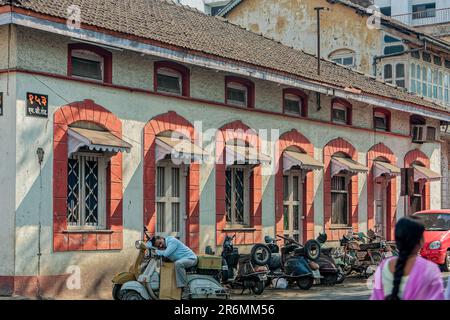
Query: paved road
351	289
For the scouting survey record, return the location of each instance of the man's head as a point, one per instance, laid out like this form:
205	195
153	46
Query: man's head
159	242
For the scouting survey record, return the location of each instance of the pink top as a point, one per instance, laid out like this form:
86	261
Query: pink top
424	282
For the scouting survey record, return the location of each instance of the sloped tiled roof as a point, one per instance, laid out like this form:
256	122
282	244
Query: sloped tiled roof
169	23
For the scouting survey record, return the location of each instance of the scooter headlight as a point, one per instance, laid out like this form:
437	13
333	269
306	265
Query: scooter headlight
138	244
435	245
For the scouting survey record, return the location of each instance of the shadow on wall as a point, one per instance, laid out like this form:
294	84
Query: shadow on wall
96	268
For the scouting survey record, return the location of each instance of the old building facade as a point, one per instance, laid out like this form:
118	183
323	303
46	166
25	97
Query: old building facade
400	54
106	131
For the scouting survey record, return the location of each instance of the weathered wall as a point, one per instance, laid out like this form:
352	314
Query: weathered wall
7	157
293	22
445	169
34	184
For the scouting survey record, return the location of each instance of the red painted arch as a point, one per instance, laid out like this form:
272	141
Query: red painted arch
171	121
238	130
420	157
333	147
88	111
382	151
294	138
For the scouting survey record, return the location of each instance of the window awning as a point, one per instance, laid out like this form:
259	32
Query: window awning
95	140
236	154
384	168
302	160
421	172
180	149
339	164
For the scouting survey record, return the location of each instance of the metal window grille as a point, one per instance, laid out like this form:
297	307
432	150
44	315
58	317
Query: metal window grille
235	195
83	191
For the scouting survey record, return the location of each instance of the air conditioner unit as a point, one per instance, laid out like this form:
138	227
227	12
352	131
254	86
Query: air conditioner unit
419	133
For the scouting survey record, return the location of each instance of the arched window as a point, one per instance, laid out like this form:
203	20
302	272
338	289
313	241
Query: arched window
381	119
341	111
295	102
89	62
239	92
345	57
171	78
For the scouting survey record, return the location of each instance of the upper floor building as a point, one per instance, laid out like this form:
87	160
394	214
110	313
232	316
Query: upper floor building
211	7
352	36
430	16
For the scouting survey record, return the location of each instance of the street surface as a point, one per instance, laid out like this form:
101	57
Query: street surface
353	288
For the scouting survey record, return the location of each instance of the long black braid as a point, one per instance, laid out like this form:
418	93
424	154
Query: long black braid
408	234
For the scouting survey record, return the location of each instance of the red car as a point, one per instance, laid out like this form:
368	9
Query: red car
437	237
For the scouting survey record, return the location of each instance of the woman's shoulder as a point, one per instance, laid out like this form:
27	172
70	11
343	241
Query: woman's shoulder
427	265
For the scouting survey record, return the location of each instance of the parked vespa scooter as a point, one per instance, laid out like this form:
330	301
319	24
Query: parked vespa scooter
135	269
245	271
295	263
147	284
331	272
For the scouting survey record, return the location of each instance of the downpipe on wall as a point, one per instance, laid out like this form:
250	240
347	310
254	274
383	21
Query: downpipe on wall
40	153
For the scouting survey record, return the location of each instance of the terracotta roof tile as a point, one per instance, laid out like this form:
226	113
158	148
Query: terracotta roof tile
170	23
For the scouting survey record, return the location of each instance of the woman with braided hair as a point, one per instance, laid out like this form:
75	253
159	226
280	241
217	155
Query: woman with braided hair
408	276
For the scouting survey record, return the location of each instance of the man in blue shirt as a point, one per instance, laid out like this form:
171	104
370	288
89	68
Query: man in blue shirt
177	252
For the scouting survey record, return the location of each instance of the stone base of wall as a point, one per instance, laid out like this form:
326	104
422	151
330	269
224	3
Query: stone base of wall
53	287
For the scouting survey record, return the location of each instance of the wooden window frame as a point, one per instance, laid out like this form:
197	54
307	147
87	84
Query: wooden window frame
177	68
304	98
387	114
104	54
245	82
348	192
343	103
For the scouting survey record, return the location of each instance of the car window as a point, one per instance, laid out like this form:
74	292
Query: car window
436	221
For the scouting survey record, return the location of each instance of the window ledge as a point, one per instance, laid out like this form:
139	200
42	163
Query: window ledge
337	227
87	231
241	229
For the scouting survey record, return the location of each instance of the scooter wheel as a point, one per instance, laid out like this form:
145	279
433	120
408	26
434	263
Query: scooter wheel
258	288
260	254
330	279
116	291
305	283
312	249
131	295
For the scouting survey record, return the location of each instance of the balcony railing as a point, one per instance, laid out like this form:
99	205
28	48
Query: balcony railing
426	17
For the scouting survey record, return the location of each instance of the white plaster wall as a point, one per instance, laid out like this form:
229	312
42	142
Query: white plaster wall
7	156
7	173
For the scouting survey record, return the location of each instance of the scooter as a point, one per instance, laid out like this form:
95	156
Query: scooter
295	263
329	269
134	271
147	284
359	256
245	271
